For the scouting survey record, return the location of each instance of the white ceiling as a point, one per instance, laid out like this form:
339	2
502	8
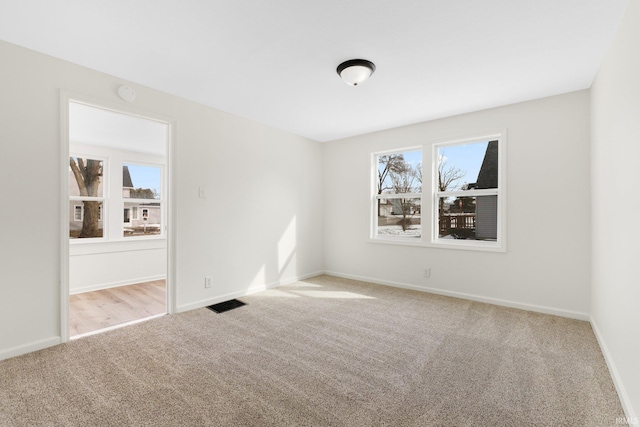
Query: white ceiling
274	61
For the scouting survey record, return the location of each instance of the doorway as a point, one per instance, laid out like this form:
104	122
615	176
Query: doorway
115	270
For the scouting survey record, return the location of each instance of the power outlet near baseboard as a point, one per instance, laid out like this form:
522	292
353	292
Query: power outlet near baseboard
207	281
427	272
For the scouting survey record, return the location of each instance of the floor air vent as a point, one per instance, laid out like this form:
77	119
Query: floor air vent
226	306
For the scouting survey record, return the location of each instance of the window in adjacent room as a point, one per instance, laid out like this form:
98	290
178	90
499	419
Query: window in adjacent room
86	197
142	192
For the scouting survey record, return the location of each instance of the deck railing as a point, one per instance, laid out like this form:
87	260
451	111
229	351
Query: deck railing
457	221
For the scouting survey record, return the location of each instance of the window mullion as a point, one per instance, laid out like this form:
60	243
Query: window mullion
468	193
399	196
88	199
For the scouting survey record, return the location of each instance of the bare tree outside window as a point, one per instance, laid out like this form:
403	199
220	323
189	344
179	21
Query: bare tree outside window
448	177
406	179
399	174
390	163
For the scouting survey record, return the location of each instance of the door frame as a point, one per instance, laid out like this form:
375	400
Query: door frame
67	96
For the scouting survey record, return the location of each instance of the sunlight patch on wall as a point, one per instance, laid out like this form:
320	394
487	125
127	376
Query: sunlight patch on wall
260	277
287	246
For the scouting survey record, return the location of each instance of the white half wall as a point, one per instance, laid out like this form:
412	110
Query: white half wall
546	266
96	266
615	293
260	222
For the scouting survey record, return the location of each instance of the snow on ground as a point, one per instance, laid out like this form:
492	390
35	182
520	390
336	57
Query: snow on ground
412	231
396	230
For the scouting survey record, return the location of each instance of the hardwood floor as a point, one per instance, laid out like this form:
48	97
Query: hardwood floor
92	311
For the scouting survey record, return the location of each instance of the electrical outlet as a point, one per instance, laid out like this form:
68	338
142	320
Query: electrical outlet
207	282
202	192
427	272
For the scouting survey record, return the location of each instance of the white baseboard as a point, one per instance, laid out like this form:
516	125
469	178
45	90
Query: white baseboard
109	285
617	381
496	301
252	290
28	348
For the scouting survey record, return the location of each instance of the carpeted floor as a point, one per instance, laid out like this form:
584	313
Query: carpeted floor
321	352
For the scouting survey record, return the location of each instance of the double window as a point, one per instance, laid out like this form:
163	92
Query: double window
447	194
99	194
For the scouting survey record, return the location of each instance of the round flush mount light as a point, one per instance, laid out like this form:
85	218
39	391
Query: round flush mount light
355	71
126	93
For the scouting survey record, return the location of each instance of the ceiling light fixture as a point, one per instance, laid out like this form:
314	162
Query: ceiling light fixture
355	71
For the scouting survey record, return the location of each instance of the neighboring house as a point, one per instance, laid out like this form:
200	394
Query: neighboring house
142	218
138	217
487	206
385	208
404	206
127	184
389	207
390	211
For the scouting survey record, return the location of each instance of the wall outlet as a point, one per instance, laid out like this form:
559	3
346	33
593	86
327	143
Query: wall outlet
207	282
427	272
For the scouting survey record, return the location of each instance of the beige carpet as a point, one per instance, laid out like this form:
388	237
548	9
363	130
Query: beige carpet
322	352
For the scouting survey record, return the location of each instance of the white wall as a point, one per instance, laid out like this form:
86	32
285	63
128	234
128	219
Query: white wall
261	222
96	266
615	294
546	266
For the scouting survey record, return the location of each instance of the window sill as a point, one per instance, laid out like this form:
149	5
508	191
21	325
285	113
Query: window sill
456	245
111	246
99	240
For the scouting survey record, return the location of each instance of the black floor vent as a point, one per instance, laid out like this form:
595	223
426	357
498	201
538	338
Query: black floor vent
226	306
